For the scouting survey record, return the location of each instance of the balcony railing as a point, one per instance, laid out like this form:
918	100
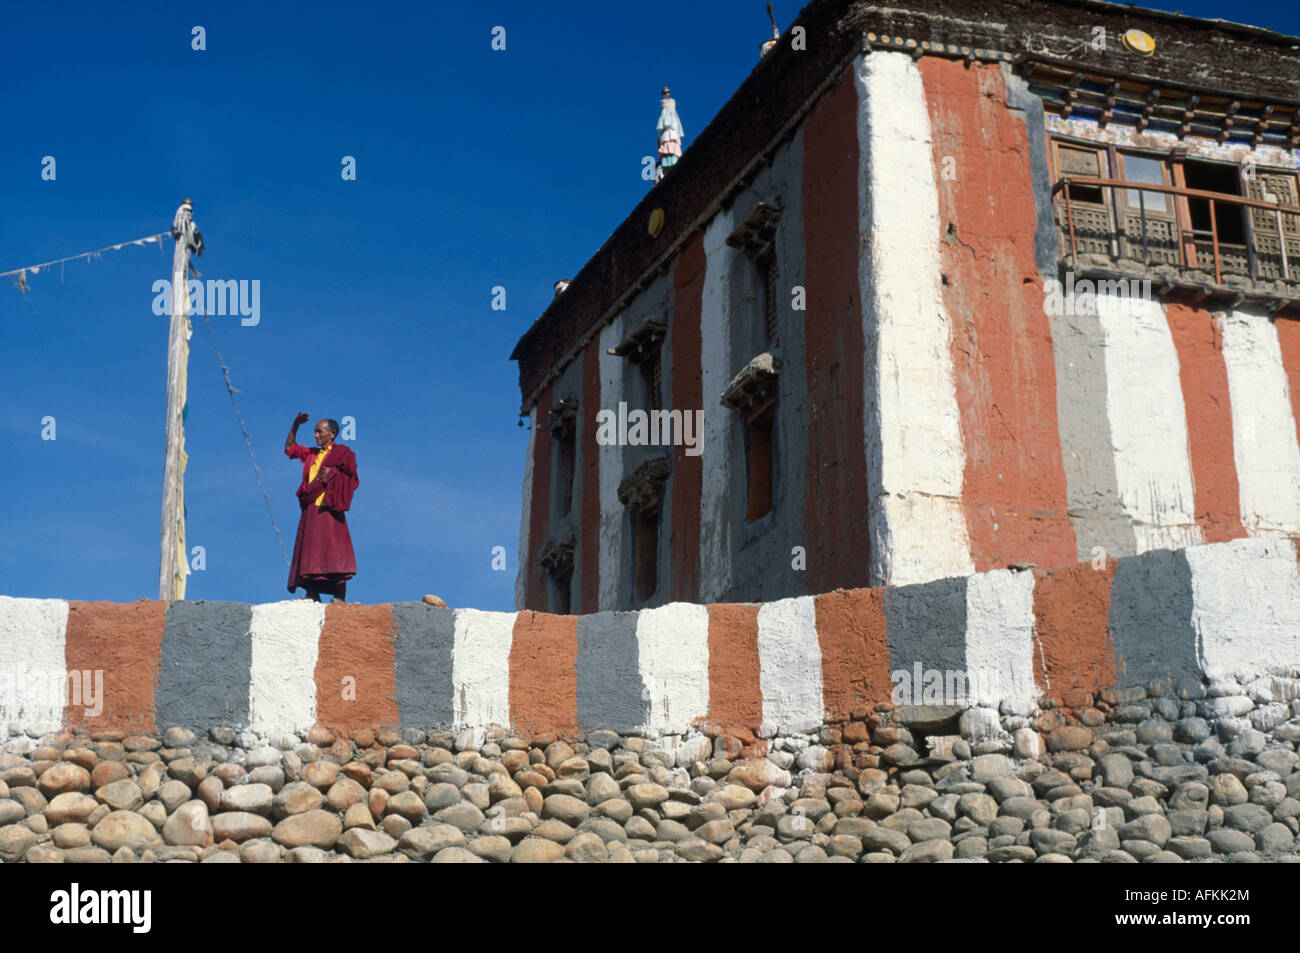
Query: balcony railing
1159	237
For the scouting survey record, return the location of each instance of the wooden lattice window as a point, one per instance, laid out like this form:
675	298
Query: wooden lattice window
1272	229
1094	228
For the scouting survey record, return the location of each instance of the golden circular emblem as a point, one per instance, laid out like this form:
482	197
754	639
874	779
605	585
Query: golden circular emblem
656	222
1139	42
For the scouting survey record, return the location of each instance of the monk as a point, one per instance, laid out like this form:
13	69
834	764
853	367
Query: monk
323	560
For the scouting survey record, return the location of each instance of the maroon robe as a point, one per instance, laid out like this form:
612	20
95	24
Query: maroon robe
322	553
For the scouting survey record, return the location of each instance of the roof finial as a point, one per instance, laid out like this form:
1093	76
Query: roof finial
776	34
670	135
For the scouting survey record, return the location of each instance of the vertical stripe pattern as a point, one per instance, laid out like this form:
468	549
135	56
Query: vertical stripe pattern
526	514
1148	423
1013	486
610	690
612	512
1198	337
355	668
114	652
790	665
424	641
33	670
284	637
686	483
1267	454
673	665
912	426
716	371
543	673
1000	638
206	664
480	667
835	454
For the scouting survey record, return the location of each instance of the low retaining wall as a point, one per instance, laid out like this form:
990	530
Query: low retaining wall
1004	639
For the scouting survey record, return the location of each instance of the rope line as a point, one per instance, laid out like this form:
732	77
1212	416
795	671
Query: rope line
248	441
35	269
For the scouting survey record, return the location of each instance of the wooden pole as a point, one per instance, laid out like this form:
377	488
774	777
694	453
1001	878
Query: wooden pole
173	563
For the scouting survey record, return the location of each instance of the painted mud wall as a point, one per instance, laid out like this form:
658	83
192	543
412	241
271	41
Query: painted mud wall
937	413
1222	610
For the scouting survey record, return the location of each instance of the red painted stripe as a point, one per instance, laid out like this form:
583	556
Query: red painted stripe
853	636
356	644
544	674
124	643
589	551
1198	338
1014	489
1074	654
836	466
540	517
735	692
687	483
1288	338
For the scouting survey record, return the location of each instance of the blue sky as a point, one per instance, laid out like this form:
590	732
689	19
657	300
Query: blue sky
475	168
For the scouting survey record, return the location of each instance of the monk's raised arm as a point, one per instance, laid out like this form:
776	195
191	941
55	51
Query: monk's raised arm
298	421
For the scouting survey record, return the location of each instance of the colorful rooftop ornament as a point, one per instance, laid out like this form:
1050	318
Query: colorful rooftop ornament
776	34
670	135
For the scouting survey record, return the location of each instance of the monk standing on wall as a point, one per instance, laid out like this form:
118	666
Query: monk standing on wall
323	560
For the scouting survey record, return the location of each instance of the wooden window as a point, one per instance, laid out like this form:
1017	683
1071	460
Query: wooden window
1084	206
645	555
1149	225
1276	234
1081	161
1148	169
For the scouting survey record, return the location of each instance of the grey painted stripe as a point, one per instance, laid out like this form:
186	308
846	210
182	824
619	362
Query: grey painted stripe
1087	444
610	691
1150	621
422	653
205	667
1030	109
1092	487
926	623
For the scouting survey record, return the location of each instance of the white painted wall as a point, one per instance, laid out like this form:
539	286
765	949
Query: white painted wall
1000	638
1246	606
716	537
480	667
33	664
1148	423
285	639
912	422
790	665
673	660
1263	425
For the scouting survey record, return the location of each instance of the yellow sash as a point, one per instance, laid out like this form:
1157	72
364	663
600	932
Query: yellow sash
321	454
